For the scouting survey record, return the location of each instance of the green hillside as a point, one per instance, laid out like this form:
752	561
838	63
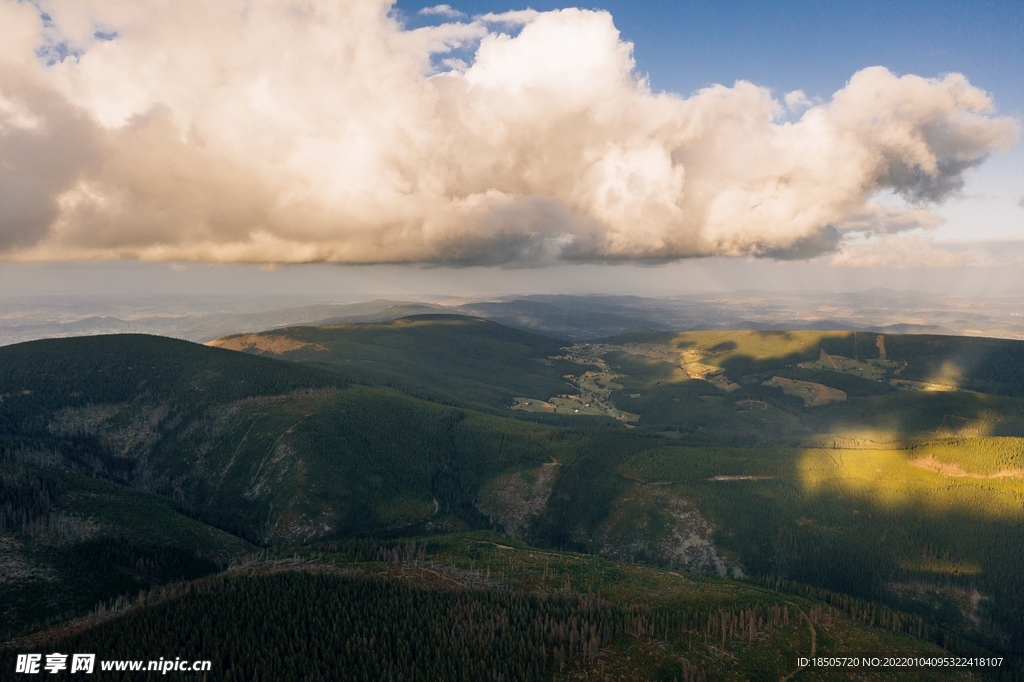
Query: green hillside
470	607
269	450
887	469
731	387
68	541
748	387
154	444
465	361
55	373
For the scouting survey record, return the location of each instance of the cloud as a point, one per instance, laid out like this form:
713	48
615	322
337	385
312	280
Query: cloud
912	251
886	219
519	17
442	11
797	101
1020	202
322	131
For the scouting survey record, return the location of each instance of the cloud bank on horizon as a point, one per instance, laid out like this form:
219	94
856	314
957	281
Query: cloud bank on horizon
286	131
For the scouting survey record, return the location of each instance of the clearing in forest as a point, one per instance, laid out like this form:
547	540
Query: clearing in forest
602	383
869	369
265	343
575	405
812	394
711	374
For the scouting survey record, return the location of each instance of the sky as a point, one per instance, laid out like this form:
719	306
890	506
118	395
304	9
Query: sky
481	148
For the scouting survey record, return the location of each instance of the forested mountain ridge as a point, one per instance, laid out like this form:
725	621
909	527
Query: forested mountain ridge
694	383
469	606
466	361
888	468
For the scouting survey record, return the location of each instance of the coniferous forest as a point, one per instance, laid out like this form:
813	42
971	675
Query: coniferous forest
445	498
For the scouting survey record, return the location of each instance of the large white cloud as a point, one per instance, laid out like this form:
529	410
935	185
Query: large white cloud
317	130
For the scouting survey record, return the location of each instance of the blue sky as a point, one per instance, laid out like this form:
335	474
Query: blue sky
814	46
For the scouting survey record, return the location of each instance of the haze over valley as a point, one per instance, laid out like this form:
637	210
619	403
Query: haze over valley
569	317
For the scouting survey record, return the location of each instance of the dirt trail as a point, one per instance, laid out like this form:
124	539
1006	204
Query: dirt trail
814	644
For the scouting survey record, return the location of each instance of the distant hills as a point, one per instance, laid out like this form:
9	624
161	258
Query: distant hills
190	320
575	318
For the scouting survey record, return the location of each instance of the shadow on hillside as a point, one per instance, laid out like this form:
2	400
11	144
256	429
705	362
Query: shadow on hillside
856	521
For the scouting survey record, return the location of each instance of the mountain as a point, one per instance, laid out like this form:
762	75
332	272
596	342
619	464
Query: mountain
477	606
457	359
564	319
865	471
196	320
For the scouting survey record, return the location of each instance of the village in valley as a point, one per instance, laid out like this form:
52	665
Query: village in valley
593	394
594	388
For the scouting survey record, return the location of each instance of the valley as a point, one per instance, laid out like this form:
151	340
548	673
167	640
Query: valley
725	458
